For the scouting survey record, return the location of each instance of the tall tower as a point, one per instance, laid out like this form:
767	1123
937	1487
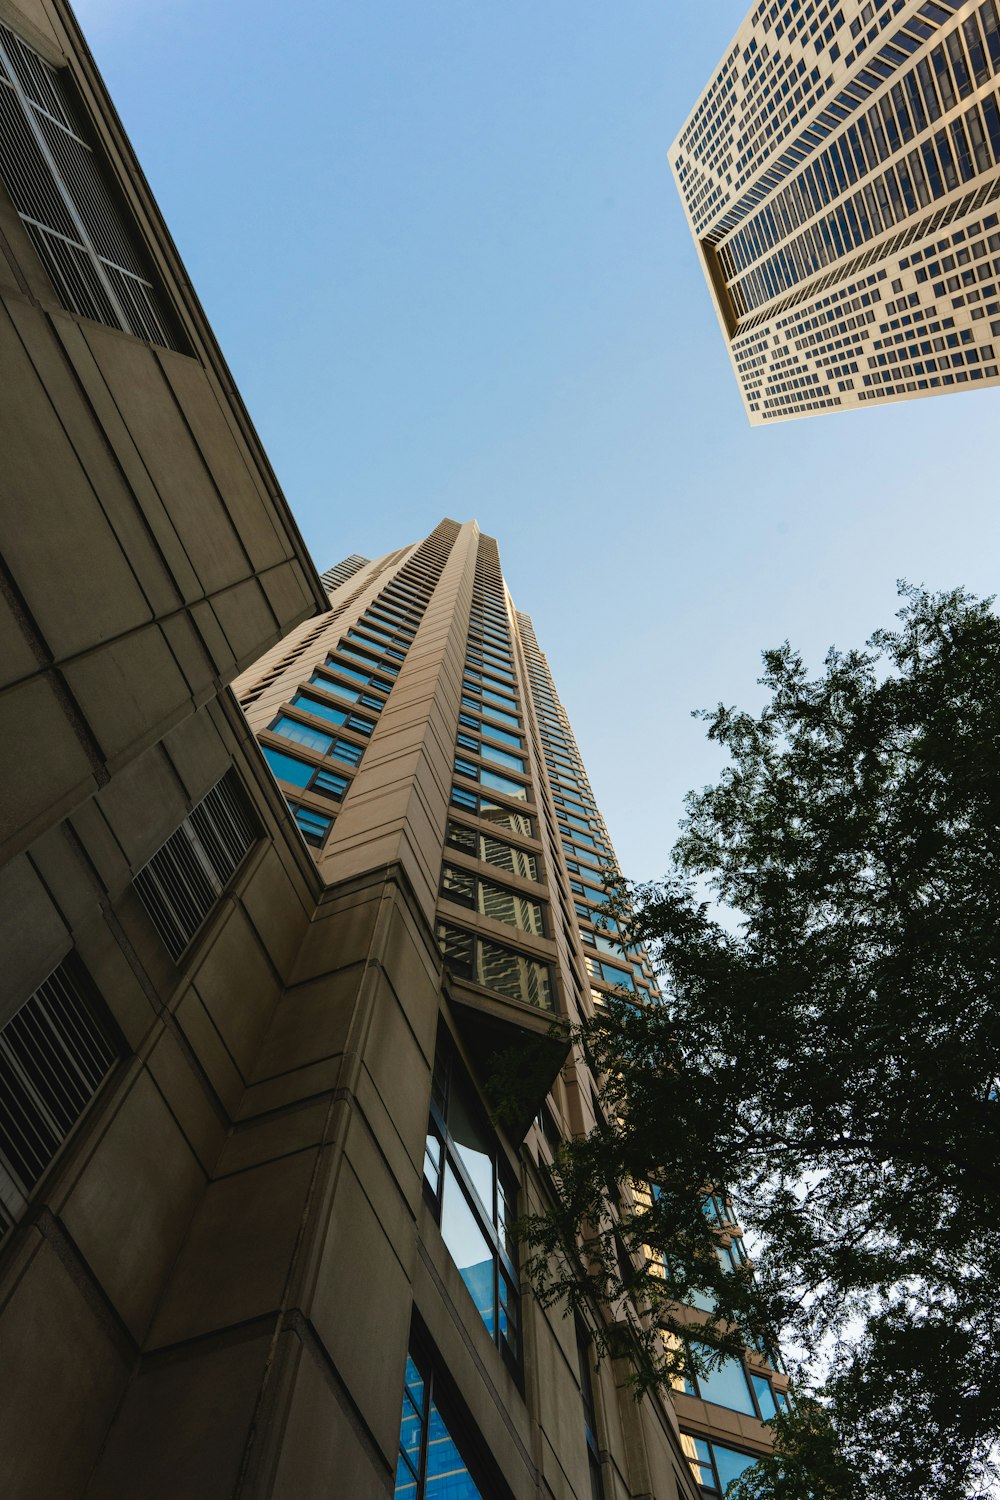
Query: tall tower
841	177
418	729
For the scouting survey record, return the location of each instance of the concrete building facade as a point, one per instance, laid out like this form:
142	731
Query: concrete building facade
253	1209
841	178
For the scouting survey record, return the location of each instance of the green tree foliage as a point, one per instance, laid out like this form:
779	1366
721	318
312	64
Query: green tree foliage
828	940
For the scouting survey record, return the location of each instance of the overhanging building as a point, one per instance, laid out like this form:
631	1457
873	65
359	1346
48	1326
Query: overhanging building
840	178
252	1204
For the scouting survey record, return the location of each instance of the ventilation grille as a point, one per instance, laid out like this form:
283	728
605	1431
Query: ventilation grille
186	876
57	187
54	1056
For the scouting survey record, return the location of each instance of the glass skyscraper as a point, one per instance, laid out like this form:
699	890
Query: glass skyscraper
841	178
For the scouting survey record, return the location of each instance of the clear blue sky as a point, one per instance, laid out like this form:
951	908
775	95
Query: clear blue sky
441	248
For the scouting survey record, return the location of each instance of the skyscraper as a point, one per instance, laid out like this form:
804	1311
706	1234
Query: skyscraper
418	725
840	177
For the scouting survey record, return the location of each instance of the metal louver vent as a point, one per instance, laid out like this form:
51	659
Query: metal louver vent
55	182
187	875
54	1055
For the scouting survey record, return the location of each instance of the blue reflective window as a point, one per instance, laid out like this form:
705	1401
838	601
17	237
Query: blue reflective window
302	734
714	1465
288	768
503	784
314	825
430	1465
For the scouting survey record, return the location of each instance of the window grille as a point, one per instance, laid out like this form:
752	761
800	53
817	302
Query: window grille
57	187
54	1056
186	876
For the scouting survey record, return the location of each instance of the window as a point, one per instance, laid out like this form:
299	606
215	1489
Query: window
474	1198
430	1466
490	900
589	1414
493	812
55	1053
494	713
348	694
186	876
315	739
598	969
356	675
313	826
295	772
82	238
492	753
729	1383
714	1466
327	710
491	779
482	727
496	968
493	851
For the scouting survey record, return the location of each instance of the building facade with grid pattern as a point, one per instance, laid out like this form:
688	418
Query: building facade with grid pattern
841	178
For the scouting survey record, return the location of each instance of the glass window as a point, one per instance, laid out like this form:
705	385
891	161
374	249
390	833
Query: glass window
589	1414
288	768
493	851
490	900
327	711
430	1466
314	826
725	1382
473	1196
495	967
714	1465
302	734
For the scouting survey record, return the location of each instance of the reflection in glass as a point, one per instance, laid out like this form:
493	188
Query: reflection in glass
468	1247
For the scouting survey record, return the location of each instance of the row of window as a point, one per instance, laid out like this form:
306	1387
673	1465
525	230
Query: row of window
361	672
943	159
892	55
489	682
918	97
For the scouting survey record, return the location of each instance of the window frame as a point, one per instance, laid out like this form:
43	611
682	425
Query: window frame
505	1188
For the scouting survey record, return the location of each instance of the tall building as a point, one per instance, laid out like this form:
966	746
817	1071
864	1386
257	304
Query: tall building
840	177
255	1218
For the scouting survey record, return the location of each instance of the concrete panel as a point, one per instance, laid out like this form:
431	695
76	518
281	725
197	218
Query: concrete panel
228	462
143	804
95	458
312	1022
204	1040
135	378
184	1094
61	1377
323	1454
64	556
238	1254
17	658
237	987
43	766
276	904
130	1206
370	1235
33	937
184	1425
128	690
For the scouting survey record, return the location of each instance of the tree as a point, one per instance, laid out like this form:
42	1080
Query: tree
828	1050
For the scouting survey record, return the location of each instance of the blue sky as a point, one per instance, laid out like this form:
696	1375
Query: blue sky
441	248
